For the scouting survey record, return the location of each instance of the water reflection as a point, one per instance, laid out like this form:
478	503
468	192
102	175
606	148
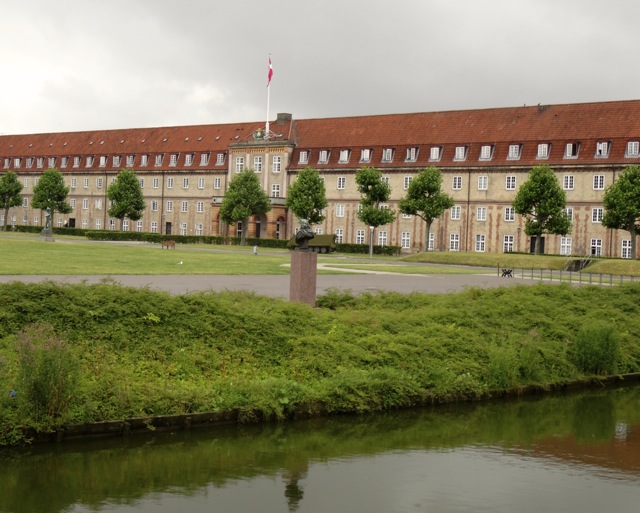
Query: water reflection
573	453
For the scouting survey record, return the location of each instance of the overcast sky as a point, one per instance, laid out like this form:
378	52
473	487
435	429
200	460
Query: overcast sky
71	65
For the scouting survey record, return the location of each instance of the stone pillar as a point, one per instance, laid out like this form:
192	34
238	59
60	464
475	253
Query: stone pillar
302	281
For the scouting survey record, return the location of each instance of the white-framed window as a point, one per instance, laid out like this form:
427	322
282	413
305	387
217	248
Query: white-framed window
103	161
154	205
596	247
85	182
25	202
339	210
7	163
40	162
154	226
76	161
184	206
382	238
602	149
565	245
344	156
17	162
85	204
359	236
339	235
98	223
183	228
480	243
185	182
508	244
568	211
156	183
29	164
200	207
633	149
510	183
318	231
131	159
98	204
125	225
169	206
626	248
323	157
170	182
342	181
144	160
597	214
483	183
257	163
219	159
64	162
568	182
543	151
139	225
59	222
571	150
99	183
365	155
188	159
486	152
204	158
387	155
455	212
239	164
303	157
407	181
199	229
217	182
406	216
385	179
461	153
85	224
481	213
435	153
456	183
514	152
36	220
117	159
598	182
25	183
72	203
275	190
454	242
51	162
89	161
405	240
159	159
201	182
412	154
141	182
276	164
509	214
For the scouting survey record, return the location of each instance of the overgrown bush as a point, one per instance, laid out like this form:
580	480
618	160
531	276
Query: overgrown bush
596	349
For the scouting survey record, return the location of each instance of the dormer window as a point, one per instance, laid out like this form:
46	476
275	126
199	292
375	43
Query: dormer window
633	149
304	157
571	150
40	162
7	163
17	162
188	159
29	162
387	155
602	149
52	162
220	159
543	151
365	155
159	159
130	160
344	156
117	159
89	161
64	162
412	154
144	160
514	152
323	157
76	161
461	153
173	159
486	152
435	153
103	161
204	158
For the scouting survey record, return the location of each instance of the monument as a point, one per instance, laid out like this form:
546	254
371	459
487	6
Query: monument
47	231
302	280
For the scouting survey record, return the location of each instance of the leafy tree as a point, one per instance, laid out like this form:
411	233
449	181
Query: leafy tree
244	198
541	201
126	197
10	196
307	196
622	205
50	194
374	191
425	198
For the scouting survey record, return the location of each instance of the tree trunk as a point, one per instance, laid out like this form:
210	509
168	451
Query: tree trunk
243	234
537	246
426	246
6	220
634	236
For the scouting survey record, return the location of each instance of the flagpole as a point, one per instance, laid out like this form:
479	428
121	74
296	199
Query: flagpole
269	75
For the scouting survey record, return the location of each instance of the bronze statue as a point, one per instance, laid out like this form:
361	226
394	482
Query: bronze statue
304	235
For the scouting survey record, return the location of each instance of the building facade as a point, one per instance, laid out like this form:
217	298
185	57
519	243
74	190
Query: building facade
484	155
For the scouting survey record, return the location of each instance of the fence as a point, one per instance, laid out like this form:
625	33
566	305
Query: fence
577	277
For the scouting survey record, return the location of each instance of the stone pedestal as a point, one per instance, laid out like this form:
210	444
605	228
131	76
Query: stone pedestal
47	235
302	281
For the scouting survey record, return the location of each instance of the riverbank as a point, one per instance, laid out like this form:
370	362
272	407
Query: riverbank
84	354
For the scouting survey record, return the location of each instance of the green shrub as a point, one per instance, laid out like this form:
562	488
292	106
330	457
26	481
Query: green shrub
596	349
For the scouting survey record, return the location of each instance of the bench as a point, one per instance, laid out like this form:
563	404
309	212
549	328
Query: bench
507	273
168	244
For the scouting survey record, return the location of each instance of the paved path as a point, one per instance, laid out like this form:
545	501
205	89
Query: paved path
278	286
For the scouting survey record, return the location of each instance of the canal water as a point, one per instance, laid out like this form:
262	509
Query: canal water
559	454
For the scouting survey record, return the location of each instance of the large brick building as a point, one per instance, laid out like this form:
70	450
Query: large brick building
484	155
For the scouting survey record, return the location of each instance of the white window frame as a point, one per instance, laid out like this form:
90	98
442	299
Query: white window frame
154	226
219	159
185	182
183	228
626	248
173	159
633	149
571	150
199	229
206	156
239	164
387	155
117	159
483	182
85	182
565	245
481	244
169	206
359	236
435	153
365	155
275	190
508	244
339	210
486	152
509	214
456	183
456	212
596	247
156	183
154	205
383	238
188	159
323	156
602	149
184	206
407	181
568	211
481	213
339	235
341	182
568	182
598	182
276	164
514	152
159	158
511	182
597	214
461	153
170	182
217	182
257	163
344	156
51	162
200	207
543	151
303	157
131	159
201	182
405	240
454	242
144	160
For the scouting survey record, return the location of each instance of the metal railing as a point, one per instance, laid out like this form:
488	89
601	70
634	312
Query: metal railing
575	277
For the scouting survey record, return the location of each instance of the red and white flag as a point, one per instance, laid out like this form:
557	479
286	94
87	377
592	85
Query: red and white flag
270	73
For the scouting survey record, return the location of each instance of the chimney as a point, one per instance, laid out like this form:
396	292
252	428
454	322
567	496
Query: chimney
283	118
